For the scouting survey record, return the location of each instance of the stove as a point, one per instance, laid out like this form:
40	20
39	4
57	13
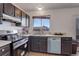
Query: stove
16	43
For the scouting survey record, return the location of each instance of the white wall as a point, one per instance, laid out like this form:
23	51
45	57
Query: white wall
62	20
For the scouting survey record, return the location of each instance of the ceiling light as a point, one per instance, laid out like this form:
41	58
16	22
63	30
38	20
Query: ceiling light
39	8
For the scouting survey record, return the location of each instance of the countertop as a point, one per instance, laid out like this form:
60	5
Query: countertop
46	35
3	43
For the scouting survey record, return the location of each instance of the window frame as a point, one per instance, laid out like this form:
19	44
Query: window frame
41	22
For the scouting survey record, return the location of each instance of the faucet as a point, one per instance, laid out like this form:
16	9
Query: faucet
42	31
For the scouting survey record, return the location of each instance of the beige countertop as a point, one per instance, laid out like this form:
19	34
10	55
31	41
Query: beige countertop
3	43
46	35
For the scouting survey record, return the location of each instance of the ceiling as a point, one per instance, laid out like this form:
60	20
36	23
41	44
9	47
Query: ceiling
45	6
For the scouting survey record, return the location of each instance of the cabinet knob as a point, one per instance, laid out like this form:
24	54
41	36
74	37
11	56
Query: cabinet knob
3	50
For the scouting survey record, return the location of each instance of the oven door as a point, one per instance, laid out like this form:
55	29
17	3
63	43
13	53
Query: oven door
22	50
20	47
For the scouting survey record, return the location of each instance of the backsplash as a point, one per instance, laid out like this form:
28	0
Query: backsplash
5	23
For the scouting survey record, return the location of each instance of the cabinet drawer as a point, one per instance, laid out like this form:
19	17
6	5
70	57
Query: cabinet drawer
66	38
66	42
4	49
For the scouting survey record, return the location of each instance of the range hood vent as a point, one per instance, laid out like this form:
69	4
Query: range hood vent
14	19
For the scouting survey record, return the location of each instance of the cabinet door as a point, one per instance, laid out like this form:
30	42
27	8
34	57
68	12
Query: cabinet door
9	9
4	50
18	13
1	11
24	19
1	7
39	44
28	21
34	44
54	45
66	45
43	44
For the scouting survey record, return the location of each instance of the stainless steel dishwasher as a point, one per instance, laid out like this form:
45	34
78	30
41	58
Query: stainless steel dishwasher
54	45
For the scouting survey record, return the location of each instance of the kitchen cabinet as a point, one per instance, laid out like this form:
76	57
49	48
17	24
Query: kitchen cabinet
66	45
43	44
8	9
5	50
28	21
38	44
18	13
54	45
74	47
34	44
1	11
1	7
25	20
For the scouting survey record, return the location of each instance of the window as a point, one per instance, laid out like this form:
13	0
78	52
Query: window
41	22
37	22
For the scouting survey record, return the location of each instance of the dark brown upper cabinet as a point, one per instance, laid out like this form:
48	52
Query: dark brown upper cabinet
18	13
23	15
24	19
8	9
1	7
1	11
28	20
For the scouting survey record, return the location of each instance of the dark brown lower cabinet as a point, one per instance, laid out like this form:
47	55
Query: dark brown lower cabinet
74	47
43	44
5	50
38	44
66	45
34	44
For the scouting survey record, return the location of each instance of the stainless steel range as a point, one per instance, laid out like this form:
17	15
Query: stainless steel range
19	43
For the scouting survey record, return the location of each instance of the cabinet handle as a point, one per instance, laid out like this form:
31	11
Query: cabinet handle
25	45
3	50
